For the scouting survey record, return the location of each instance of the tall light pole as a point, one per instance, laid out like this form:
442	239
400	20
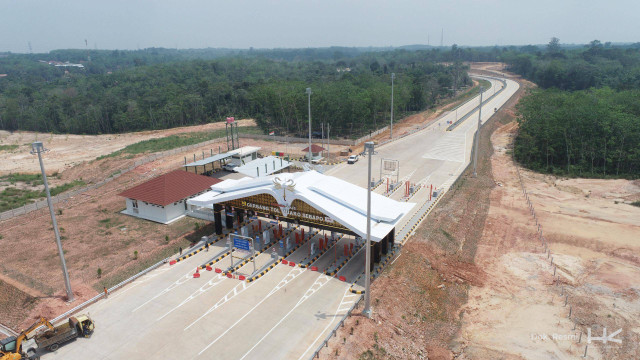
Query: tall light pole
393	76
38	148
368	147
477	137
309	95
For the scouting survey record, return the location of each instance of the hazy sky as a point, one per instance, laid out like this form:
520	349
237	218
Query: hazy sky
132	24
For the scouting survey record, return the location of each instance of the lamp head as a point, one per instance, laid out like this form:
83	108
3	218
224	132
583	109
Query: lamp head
369	145
308	91
37	147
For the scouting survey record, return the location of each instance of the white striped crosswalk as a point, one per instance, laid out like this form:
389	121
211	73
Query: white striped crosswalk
450	147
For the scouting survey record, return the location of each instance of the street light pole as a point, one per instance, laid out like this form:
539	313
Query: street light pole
477	137
309	155
38	148
368	146
393	76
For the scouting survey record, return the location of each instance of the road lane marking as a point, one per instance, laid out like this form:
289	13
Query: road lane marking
317	285
346	294
247	314
204	288
179	282
291	275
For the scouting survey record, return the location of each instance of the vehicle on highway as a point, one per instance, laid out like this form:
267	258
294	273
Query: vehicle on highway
352	159
25	345
230	167
76	327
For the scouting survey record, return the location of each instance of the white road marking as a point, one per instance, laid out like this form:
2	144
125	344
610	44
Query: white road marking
243	285
320	282
204	288
179	282
141	280
247	314
346	294
448	148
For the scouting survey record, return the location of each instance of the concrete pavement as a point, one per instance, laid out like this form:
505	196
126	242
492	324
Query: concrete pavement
283	314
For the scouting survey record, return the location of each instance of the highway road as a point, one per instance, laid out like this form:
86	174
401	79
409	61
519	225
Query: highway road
285	314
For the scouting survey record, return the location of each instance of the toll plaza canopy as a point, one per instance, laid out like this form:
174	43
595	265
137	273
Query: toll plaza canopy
263	166
309	197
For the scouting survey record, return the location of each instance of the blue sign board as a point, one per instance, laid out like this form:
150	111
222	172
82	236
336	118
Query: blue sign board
281	243
241	243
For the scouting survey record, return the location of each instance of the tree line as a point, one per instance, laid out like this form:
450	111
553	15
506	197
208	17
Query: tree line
119	92
586	120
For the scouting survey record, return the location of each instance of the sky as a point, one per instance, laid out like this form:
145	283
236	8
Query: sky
240	24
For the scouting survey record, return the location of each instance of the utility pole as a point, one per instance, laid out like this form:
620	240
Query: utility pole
477	138
38	148
393	76
368	146
328	141
309	95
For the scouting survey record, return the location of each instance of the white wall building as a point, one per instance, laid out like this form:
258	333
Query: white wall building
163	198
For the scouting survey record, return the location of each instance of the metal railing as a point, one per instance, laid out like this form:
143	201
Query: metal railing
325	342
110	290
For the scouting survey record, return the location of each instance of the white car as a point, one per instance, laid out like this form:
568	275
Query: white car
352	159
230	167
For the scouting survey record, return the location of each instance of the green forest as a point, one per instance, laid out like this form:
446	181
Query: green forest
585	118
121	91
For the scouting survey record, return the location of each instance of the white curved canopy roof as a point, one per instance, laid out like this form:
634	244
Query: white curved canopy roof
342	201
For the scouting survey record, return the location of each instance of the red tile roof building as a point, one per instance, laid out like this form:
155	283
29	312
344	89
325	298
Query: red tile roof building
169	188
314	148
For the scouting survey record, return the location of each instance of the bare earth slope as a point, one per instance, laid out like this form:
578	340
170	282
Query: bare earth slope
593	237
71	150
480	246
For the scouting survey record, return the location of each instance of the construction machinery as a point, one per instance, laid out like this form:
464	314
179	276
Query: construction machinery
23	346
26	344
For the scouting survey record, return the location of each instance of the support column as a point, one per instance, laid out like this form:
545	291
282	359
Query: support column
391	239
384	244
229	217
373	251
377	252
217	218
240	213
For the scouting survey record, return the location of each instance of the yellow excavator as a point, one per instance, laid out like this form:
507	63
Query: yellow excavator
16	348
25	345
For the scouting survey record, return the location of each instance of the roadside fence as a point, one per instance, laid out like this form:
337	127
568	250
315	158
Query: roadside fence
564	288
69	194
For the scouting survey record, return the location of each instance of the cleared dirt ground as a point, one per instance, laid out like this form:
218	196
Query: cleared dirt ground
474	282
593	238
67	151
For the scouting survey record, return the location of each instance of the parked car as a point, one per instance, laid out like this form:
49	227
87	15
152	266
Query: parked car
230	167
352	159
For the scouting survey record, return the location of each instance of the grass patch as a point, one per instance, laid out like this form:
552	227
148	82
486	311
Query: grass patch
29	179
636	203
176	141
11	197
8	147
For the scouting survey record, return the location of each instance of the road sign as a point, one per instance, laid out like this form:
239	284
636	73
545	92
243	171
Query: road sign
281	243
242	244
